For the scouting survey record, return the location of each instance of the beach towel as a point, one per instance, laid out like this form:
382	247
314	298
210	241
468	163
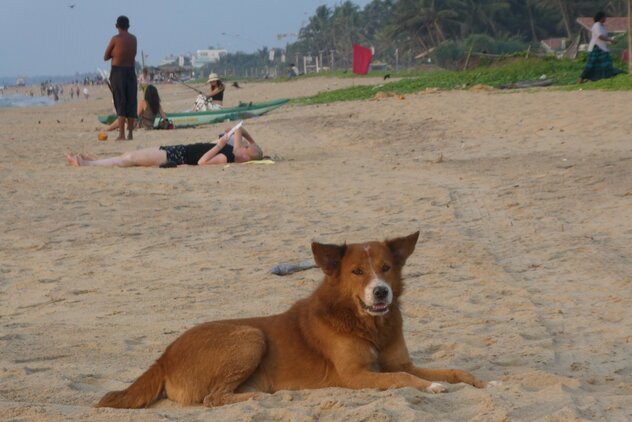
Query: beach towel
599	66
265	161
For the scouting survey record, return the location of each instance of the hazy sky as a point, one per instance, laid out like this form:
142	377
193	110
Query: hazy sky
47	37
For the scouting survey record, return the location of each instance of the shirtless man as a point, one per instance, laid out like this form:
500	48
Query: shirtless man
122	51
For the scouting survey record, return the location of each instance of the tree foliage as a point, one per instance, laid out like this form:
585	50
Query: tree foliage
413	26
399	30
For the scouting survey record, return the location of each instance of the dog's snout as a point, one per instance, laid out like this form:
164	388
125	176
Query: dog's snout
380	292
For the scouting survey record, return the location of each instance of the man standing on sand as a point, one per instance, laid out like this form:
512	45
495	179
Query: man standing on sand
122	51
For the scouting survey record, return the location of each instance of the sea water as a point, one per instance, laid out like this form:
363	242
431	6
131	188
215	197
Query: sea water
16	100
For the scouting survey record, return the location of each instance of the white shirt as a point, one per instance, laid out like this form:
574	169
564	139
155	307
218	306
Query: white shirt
597	31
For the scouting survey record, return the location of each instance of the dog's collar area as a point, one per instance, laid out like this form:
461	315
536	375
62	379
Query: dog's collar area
379	308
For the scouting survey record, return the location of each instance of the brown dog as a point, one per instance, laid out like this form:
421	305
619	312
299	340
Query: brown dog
348	333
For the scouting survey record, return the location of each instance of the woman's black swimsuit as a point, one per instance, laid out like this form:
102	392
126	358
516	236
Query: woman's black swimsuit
190	154
219	96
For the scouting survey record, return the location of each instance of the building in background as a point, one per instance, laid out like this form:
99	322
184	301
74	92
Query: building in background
203	57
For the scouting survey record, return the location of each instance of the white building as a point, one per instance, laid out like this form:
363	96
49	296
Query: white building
171	59
202	57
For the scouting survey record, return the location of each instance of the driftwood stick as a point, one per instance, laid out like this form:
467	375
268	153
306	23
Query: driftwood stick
292	267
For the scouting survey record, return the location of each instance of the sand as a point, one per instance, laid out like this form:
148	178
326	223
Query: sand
522	273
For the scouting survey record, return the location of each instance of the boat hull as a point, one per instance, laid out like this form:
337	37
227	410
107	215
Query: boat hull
197	118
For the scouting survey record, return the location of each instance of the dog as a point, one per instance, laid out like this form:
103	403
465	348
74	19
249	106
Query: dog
348	333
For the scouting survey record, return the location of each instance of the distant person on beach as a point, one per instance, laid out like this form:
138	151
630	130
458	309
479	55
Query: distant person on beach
599	64
179	155
122	51
86	92
214	100
143	80
292	72
148	109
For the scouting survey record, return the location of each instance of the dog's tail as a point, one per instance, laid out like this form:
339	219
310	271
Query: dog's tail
143	392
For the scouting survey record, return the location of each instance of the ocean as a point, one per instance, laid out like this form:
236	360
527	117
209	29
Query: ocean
16	100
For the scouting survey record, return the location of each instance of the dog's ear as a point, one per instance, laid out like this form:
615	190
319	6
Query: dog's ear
328	257
402	247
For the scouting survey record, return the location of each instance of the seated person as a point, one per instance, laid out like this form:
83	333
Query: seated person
148	108
179	155
215	97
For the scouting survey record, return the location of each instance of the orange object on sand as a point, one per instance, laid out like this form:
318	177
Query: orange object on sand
103	136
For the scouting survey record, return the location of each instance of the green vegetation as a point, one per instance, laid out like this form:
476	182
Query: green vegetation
564	74
405	28
400	30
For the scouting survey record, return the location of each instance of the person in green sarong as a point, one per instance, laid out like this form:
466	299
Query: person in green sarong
599	64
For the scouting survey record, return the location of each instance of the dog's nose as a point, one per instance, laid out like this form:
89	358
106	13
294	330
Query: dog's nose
380	292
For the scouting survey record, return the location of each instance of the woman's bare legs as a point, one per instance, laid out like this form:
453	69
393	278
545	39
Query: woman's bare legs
113	126
148	157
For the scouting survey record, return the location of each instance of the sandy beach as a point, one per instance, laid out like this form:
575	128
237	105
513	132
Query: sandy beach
522	274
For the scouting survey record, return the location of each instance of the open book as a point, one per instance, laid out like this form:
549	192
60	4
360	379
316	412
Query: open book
234	128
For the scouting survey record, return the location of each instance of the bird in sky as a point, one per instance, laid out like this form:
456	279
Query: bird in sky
72	6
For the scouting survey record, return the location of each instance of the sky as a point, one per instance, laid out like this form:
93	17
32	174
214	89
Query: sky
48	37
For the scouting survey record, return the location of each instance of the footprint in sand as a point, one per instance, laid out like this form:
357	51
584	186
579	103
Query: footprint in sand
86	383
133	343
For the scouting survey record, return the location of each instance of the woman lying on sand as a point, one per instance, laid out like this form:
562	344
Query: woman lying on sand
178	155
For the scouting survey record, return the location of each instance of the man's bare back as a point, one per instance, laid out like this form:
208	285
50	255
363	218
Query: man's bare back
122	49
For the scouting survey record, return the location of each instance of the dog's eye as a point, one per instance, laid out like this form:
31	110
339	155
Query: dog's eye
357	271
385	268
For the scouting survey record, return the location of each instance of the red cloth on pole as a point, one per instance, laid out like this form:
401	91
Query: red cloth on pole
361	59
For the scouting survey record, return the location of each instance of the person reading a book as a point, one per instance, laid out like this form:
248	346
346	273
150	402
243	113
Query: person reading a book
221	152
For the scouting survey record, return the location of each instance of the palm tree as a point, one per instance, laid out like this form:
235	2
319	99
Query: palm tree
345	29
423	22
315	35
480	16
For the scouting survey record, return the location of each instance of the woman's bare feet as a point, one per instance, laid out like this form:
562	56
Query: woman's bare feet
74	159
87	157
78	160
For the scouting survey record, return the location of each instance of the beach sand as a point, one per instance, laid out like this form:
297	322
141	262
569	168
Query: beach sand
522	274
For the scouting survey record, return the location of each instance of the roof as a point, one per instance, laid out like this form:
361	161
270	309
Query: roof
554	44
614	25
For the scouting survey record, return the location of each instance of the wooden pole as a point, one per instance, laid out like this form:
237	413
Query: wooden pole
467	59
630	35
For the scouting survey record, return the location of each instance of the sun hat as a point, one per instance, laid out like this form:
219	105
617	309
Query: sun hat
122	22
212	78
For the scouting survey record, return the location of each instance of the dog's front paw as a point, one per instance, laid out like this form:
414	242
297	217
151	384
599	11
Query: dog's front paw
436	388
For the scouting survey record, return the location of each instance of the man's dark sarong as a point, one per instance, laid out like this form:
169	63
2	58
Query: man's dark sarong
124	90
